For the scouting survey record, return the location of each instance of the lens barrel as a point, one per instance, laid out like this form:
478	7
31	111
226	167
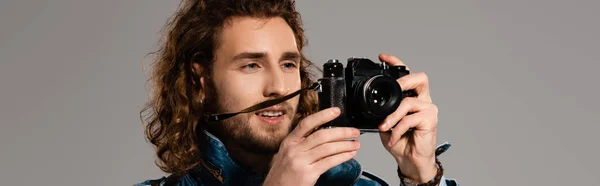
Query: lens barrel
379	96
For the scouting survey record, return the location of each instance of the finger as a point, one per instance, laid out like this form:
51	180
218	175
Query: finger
333	148
314	120
408	105
328	135
331	161
419	82
391	60
416	121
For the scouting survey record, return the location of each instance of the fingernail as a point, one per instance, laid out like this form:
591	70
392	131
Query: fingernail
385	124
335	110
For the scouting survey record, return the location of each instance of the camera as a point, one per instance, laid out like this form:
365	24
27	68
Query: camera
366	92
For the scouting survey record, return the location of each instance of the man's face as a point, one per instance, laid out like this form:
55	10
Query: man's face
257	60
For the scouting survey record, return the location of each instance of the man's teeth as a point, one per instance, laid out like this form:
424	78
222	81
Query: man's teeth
271	114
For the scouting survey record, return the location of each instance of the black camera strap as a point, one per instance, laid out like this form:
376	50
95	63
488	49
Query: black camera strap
209	118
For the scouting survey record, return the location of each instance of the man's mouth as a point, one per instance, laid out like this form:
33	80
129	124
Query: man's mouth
271	116
270	113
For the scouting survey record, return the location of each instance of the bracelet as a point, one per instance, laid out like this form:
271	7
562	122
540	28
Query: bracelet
404	181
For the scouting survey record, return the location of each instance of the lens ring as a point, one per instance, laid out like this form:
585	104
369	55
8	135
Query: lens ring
381	96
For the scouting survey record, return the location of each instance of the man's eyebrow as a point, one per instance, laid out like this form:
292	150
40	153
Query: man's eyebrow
249	55
295	56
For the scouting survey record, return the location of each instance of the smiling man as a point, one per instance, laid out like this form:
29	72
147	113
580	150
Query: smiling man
223	56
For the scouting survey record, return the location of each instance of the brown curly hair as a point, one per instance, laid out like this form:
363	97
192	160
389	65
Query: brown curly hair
191	36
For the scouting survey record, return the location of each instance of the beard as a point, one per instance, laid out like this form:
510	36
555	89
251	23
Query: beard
252	136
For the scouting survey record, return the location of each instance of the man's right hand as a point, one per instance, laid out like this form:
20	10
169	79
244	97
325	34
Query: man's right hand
302	159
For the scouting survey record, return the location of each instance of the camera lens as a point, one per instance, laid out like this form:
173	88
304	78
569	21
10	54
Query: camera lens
381	96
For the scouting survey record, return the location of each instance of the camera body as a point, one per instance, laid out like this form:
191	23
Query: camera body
365	92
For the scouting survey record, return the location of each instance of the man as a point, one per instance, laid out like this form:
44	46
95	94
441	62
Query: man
222	56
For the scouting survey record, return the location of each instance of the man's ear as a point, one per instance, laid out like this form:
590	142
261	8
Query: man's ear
199	76
197	70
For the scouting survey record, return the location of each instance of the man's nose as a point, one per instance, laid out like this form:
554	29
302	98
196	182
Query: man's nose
275	83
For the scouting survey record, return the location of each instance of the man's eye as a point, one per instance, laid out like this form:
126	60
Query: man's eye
251	66
289	65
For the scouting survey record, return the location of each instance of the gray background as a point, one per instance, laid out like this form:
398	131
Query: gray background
515	81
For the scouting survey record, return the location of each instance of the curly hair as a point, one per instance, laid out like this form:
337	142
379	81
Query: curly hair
177	102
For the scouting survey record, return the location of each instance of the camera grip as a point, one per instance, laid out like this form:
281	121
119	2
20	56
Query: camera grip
333	94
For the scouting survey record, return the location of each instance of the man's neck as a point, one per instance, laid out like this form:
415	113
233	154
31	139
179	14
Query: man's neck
258	163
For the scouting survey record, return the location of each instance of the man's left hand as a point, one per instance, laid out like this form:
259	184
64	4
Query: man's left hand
414	150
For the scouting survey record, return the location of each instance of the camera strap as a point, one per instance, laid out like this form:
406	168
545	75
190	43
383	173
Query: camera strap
265	104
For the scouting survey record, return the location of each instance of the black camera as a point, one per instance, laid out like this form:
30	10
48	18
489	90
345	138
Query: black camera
366	92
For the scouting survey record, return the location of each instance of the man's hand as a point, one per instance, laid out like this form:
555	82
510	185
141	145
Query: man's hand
302	159
414	151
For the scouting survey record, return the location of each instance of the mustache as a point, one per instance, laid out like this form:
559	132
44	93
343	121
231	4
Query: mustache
287	107
210	118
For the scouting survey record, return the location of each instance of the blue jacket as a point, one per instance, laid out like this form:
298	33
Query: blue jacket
217	168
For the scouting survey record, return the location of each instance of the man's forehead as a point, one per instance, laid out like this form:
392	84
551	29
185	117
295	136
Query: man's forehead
270	36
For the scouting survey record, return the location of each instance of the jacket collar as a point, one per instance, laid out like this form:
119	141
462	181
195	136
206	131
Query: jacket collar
217	168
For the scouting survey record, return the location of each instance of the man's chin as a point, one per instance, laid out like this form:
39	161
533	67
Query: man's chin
262	144
269	133
265	139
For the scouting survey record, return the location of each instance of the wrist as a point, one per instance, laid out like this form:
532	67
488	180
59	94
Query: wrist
426	176
420	174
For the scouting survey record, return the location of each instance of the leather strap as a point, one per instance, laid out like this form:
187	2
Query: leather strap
211	118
